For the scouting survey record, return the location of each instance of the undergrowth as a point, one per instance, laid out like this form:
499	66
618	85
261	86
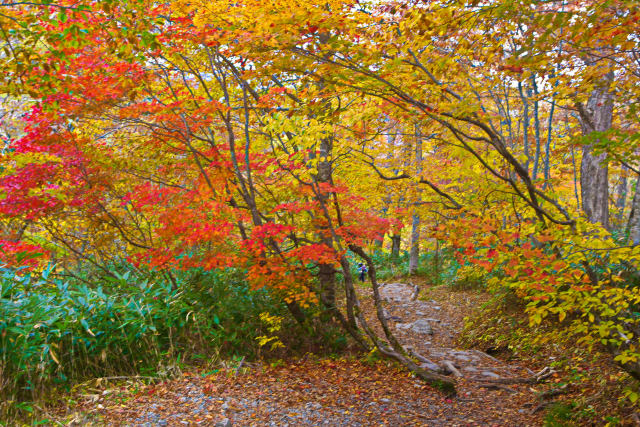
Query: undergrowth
438	267
55	332
597	390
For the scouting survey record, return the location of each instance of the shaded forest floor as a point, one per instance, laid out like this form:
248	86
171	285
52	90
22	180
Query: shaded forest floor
336	391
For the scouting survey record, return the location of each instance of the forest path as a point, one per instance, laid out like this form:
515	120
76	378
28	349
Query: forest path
343	392
430	328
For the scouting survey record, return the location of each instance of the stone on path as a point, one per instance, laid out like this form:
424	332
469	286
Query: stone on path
420	326
490	374
396	292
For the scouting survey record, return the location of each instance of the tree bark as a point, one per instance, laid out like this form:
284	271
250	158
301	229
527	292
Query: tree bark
326	277
536	121
634	217
525	125
621	198
327	273
594	172
414	253
395	246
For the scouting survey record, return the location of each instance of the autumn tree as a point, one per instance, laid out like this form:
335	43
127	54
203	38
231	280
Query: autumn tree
193	134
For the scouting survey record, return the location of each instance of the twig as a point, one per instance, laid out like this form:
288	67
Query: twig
239	366
554	392
544	374
416	291
547	394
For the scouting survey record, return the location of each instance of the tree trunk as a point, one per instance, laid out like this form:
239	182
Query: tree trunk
575	177
634	217
547	146
536	121
327	273
594	183
395	246
525	125
621	198
594	172
326	278
414	253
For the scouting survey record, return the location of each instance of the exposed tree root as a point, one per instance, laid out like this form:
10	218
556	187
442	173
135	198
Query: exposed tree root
539	377
497	387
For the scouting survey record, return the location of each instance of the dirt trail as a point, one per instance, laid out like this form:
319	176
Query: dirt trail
344	392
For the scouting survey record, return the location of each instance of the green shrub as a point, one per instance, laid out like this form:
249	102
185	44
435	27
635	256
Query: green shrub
559	414
388	266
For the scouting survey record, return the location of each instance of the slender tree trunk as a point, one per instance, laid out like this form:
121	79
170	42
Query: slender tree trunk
436	255
536	120
353	306
594	171
634	217
575	177
385	208
436	262
414	254
525	125
547	146
395	246
621	198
